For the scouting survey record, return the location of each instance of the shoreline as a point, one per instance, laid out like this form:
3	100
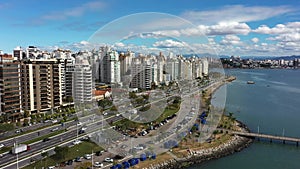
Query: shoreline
234	144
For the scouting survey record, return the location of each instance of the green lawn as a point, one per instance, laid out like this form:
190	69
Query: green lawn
85	147
169	111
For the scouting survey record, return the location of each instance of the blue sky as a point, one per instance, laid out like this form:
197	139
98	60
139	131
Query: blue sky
236	27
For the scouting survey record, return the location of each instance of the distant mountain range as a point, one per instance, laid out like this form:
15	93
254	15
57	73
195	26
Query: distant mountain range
243	57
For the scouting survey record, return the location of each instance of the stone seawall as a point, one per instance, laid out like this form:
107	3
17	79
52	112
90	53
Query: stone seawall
235	144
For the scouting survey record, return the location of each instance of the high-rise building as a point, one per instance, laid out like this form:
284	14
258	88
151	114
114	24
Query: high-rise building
141	74
110	67
40	83
18	53
125	63
10	88
204	66
82	81
65	60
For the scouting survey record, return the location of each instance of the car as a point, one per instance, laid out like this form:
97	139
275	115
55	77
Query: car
139	147
98	164
76	142
46	139
88	156
98	153
70	162
51	167
54	121
18	131
54	129
78	159
1	145
79	124
109	160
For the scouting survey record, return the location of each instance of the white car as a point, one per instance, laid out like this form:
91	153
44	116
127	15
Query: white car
79	124
76	142
88	156
98	164
139	147
109	160
1	145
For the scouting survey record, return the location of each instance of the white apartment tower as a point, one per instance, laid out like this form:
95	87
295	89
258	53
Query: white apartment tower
82	81
141	74
110	67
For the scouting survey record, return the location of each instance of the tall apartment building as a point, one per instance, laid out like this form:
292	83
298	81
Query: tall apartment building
204	66
10	89
125	62
65	60
172	68
110	67
18	53
40	81
141	72
82	81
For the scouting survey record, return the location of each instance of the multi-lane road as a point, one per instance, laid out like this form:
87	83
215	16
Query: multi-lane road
8	161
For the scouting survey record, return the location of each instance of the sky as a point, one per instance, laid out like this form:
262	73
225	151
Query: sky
235	27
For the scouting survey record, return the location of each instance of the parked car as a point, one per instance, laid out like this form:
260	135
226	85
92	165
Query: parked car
78	159
70	162
109	160
88	156
98	164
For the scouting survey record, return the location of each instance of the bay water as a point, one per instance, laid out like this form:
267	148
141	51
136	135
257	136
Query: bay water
270	106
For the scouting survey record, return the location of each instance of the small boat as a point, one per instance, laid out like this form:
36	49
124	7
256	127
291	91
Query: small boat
250	82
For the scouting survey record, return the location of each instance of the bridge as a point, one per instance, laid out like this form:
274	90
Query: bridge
267	136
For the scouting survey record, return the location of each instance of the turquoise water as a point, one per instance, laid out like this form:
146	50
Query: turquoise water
273	104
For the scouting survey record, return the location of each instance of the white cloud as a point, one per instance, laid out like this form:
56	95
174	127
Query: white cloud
169	43
230	40
74	12
225	28
119	44
255	40
236	13
289	32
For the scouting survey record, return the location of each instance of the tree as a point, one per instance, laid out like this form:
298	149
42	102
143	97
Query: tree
26	122
26	114
61	152
104	103
132	95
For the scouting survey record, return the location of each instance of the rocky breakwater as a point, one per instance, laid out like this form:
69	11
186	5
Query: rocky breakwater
234	144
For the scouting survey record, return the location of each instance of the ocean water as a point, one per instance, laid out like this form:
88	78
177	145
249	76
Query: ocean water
272	106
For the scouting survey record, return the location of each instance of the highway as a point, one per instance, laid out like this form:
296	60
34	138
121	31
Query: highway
36	148
31	135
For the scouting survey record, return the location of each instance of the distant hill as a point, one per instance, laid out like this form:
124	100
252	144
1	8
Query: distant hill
267	57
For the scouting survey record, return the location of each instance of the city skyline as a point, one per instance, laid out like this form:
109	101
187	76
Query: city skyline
268	28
